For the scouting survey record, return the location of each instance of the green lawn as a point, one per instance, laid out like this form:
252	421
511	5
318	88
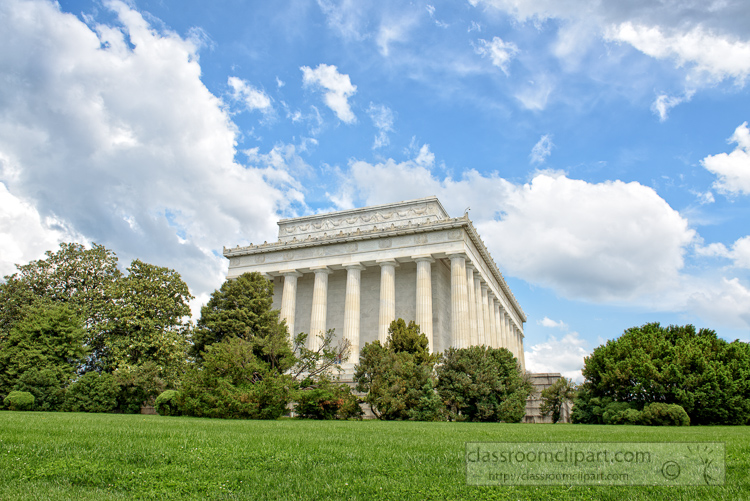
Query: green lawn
105	456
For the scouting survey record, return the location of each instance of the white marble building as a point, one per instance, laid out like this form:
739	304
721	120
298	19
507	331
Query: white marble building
357	270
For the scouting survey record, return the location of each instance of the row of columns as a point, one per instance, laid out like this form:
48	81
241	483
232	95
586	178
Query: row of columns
477	316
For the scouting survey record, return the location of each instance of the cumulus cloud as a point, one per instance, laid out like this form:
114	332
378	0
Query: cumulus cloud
382	119
733	169
724	303
500	52
337	87
95	134
542	149
249	96
563	355
610	241
739	253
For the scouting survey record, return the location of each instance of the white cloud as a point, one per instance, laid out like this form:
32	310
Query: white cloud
709	56
345	16
95	133
709	39
535	94
542	149
382	118
249	96
733	169
739	253
663	103
338	89
500	52
558	355
610	241
725	303
548	322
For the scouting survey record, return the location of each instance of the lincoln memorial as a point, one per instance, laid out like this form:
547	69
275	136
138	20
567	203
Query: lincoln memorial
357	270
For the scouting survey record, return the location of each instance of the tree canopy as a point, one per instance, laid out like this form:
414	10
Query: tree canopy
707	376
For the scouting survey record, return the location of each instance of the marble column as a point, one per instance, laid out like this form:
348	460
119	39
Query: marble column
289	299
459	302
319	307
387	297
523	356
480	313
498	326
504	329
486	313
491	313
424	297
473	334
514	330
352	310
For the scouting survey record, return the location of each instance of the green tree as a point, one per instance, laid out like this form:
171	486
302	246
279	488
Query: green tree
398	378
553	398
46	337
482	384
147	321
242	308
707	376
233	382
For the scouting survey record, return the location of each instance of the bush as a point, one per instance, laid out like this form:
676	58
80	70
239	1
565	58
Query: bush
92	392
328	401
482	384
661	414
19	401
139	385
47	386
621	413
166	403
234	383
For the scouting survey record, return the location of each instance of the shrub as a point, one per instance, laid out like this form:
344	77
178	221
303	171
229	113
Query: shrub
19	401
661	414
621	413
138	385
482	384
234	383
92	392
328	400
166	403
47	386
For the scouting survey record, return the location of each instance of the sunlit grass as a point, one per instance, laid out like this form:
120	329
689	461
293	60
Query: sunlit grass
106	456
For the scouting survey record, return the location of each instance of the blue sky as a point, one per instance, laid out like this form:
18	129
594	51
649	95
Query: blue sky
603	147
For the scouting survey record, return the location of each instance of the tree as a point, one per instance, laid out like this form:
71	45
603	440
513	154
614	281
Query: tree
147	321
242	308
702	373
398	377
232	382
482	384
553	398
46	337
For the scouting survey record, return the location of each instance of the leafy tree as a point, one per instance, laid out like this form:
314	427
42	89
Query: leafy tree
553	398
482	384
398	378
326	399
233	382
138	385
45	337
166	403
147	321
702	373
242	308
321	362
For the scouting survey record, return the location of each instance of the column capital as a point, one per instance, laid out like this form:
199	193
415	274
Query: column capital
423	258
484	286
321	269
290	273
387	262
469	265
353	266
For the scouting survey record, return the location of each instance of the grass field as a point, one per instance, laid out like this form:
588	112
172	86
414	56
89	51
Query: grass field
106	456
